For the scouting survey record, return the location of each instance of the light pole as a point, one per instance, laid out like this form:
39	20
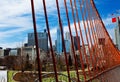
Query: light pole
34	48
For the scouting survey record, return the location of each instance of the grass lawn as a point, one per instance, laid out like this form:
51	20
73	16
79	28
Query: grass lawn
10	76
62	76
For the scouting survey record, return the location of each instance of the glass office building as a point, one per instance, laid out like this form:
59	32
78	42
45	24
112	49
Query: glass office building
59	45
42	40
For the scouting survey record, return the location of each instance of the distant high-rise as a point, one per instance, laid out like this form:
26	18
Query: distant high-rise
67	45
59	45
76	42
117	34
42	40
67	42
67	36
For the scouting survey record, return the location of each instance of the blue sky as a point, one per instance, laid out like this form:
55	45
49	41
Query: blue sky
16	20
107	10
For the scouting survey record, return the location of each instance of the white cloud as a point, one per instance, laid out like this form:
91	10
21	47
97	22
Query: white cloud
15	18
53	31
66	29
11	45
107	21
110	27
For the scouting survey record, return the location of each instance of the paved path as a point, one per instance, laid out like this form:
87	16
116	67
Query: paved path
110	76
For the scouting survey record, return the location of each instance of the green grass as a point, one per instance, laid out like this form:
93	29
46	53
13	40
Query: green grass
10	76
63	78
50	78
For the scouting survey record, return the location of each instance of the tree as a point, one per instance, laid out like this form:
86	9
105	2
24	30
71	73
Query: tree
28	66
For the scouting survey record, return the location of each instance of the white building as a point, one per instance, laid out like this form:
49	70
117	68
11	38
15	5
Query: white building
13	52
67	36
117	34
31	51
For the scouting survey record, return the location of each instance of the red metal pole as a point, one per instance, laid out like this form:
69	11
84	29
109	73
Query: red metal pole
36	40
69	26
93	32
89	27
79	27
77	17
50	40
85	30
62	34
93	4
94	7
98	33
94	37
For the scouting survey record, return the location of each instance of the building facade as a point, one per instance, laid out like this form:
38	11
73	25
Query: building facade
117	34
67	42
67	36
42	40
76	42
7	51
67	45
31	52
13	52
59	46
1	52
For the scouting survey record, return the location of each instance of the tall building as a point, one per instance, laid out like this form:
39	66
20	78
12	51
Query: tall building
7	51
117	34
67	36
67	45
42	40
59	45
75	42
67	42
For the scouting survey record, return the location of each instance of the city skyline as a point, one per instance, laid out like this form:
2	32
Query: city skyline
59	41
16	20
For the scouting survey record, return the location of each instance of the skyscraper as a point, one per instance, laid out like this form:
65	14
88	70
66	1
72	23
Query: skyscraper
59	45
67	42
117	33
76	42
67	36
42	40
67	45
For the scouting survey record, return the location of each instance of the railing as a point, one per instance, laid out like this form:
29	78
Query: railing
89	62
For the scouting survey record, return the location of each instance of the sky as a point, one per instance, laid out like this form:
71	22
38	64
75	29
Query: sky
16	19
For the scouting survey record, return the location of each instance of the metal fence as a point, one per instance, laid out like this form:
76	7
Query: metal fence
96	54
